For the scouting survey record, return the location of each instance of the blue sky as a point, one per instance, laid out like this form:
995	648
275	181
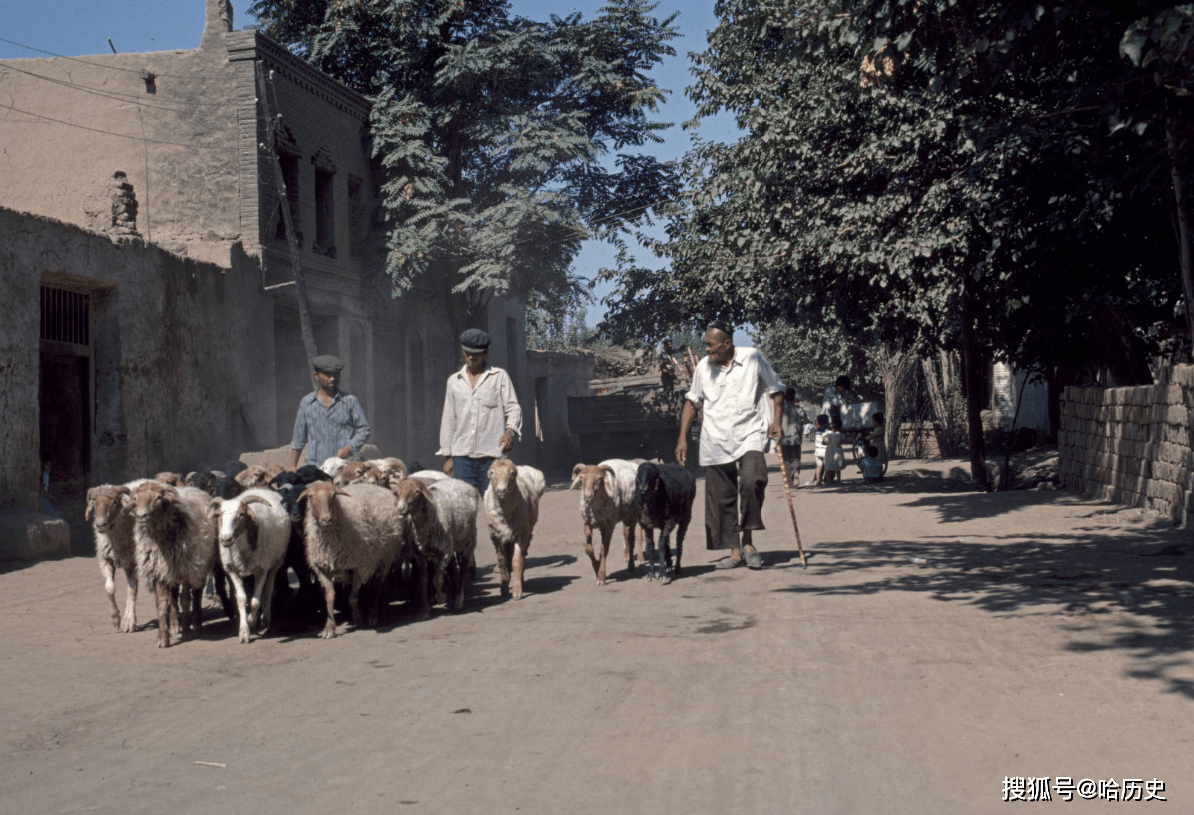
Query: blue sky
80	27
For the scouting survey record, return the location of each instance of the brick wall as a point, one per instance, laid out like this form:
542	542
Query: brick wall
1132	445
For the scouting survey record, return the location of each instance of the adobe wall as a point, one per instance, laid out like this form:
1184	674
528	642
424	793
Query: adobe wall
553	376
1132	445
86	118
182	352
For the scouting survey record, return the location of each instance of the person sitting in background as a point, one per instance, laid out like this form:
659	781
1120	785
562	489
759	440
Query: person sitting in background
872	467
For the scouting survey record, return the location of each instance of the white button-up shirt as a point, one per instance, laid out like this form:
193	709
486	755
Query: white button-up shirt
476	417
737	403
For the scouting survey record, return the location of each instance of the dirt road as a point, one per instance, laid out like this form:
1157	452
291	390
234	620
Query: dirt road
939	642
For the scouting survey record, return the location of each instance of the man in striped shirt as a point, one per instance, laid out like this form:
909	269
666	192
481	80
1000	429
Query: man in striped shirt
329	421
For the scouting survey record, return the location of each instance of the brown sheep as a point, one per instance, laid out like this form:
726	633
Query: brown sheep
112	523
253	476
512	509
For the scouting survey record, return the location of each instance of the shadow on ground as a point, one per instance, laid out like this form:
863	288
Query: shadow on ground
1145	573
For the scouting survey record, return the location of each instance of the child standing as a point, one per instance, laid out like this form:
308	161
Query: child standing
792	421
835	457
819	449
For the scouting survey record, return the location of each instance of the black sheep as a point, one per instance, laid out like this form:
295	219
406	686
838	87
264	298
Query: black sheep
663	496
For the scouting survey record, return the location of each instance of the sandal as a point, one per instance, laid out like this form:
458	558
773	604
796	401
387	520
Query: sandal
754	560
729	563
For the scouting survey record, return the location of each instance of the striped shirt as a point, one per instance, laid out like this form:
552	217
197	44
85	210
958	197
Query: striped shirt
324	430
475	418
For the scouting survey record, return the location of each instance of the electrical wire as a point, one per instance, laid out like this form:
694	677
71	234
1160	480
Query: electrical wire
116	95
119	135
136	71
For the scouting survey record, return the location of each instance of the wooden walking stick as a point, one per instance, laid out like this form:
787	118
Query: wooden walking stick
783	472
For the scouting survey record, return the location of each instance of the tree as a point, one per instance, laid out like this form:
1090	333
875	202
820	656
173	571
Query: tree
494	133
934	175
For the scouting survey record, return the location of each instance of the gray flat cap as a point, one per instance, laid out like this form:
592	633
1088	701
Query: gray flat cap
474	341
328	363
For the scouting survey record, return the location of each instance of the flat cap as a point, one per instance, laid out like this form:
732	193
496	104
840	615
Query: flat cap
722	326
474	340
327	363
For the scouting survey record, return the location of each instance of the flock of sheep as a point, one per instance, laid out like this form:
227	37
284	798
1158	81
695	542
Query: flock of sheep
357	525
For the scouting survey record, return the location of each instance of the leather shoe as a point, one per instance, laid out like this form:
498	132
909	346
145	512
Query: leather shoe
729	563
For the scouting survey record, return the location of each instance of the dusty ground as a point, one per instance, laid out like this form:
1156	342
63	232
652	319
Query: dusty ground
939	641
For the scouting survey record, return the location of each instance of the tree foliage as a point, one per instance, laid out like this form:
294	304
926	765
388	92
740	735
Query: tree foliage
930	174
505	141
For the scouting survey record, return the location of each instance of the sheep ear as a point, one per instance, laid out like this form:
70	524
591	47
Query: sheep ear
304	495
575	481
576	470
611	480
89	513
344	493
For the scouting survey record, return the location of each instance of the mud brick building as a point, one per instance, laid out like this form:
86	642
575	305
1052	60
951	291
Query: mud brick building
150	322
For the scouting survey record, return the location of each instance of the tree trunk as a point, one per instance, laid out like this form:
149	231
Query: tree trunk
896	367
973	375
1183	230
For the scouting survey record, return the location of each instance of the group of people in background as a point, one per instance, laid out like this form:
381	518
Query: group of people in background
828	439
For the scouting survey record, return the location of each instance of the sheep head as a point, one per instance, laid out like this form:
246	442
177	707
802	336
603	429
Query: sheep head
352	473
503	476
173	479
647	479
104	503
594	479
252	476
151	497
321	500
414	499
233	525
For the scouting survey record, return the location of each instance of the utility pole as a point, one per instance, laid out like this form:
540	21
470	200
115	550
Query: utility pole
300	286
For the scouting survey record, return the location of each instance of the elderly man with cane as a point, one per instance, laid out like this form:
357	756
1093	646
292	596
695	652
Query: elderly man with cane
742	400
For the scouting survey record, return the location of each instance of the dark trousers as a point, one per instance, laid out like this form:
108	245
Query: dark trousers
727	486
473	471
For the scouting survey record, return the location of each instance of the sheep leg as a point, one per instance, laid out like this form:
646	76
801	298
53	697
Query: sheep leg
649	551
419	587
329	596
267	606
161	593
220	578
628	545
108	570
128	622
665	557
238	586
175	618
517	566
184	613
607	534
680	532
354	600
459	579
504	558
373	591
196	611
597	567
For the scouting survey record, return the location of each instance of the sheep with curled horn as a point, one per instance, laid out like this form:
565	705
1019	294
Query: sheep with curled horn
254	530
606	500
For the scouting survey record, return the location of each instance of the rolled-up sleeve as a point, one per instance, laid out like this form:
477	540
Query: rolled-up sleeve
299	440
769	377
360	424
510	405
447	423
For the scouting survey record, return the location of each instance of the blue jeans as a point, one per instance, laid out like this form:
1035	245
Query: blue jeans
473	471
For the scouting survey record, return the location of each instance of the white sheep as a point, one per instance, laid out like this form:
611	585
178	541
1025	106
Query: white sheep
440	535
254	531
333	465
512	509
351	533
176	545
429	476
112	522
606	500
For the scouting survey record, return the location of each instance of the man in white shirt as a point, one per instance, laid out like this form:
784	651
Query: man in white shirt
481	413
742	400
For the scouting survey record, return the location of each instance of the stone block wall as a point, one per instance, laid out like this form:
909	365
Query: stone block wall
1132	445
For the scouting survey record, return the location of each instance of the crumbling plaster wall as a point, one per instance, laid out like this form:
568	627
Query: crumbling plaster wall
1132	445
566	374
183	125
182	352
